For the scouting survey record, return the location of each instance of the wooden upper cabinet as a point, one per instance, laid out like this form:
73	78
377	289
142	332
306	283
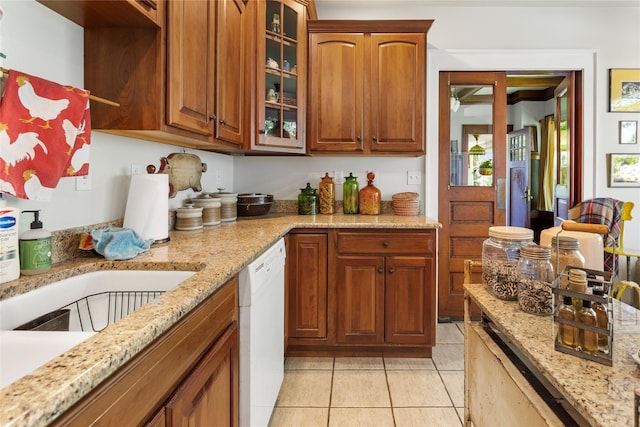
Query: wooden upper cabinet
191	64
367	87
205	91
280	75
109	13
336	92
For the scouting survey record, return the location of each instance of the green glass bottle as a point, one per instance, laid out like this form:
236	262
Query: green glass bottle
350	193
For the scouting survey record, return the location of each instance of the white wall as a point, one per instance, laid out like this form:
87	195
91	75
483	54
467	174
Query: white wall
40	42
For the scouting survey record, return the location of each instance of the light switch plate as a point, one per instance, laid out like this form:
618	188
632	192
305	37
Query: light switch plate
413	177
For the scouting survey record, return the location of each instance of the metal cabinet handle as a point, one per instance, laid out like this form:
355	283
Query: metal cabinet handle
358	137
223	122
374	138
213	117
391	271
380	270
385	244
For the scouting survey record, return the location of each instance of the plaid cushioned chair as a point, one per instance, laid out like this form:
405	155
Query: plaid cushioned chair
606	211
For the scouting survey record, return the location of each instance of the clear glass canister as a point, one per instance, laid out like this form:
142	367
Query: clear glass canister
535	273
350	195
500	255
307	201
565	251
370	197
326	195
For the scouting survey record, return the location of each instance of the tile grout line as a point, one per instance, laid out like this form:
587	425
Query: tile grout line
386	378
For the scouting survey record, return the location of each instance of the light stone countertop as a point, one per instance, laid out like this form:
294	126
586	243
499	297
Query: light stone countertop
216	253
603	395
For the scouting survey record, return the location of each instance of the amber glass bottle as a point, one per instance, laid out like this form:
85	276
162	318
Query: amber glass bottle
602	321
588	339
369	197
567	334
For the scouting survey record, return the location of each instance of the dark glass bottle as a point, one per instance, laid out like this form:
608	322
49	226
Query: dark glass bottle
350	195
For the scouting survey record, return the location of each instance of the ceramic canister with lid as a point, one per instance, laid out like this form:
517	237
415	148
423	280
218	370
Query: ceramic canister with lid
500	255
211	209
229	205
189	218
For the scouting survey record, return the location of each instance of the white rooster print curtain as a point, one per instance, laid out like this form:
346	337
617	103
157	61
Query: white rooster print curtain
45	134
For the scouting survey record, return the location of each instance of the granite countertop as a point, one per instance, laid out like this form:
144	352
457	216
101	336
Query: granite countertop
216	253
603	395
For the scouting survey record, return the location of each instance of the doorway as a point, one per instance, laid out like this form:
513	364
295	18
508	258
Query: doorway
485	176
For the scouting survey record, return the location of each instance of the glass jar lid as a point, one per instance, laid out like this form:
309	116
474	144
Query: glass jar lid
565	242
535	252
511	233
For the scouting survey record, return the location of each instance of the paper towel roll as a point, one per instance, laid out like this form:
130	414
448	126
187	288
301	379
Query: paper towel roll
147	210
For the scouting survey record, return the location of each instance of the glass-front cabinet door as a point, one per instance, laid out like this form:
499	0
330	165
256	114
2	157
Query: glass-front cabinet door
281	86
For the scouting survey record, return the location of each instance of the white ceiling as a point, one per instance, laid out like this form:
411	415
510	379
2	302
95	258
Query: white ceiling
481	3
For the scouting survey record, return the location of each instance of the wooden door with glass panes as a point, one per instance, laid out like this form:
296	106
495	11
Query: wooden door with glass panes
281	78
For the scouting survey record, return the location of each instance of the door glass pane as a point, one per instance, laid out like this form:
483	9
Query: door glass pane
471	161
564	137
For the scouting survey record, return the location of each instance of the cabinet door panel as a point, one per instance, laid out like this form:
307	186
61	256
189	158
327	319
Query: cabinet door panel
307	286
230	87
409	300
397	92
190	29
360	299
336	91
208	396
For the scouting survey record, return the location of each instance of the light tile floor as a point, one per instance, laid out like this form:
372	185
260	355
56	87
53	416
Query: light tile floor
376	391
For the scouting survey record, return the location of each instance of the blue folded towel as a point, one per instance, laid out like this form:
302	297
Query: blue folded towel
119	243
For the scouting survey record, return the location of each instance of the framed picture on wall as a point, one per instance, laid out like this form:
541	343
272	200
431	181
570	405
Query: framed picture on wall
624	90
624	170
628	131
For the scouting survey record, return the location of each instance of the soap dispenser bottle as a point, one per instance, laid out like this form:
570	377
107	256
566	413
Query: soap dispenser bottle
35	248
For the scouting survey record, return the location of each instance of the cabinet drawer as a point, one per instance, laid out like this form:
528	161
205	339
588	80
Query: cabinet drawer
396	242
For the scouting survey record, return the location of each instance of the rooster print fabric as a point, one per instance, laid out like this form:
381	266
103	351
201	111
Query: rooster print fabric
45	134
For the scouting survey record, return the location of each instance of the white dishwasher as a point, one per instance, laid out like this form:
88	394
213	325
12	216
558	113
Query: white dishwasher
261	296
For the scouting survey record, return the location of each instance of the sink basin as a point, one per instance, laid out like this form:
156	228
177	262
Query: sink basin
93	300
91	292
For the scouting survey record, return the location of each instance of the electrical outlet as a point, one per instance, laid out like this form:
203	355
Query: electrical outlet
413	177
83	183
136	169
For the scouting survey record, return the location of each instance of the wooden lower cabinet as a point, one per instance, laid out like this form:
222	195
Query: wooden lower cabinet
208	393
187	376
380	293
384	300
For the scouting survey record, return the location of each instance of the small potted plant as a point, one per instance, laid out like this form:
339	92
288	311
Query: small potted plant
486	168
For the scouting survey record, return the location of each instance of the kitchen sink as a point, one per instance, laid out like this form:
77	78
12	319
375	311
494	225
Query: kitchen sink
39	325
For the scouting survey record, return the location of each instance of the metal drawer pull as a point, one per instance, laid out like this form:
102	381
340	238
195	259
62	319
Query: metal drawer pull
391	271
385	244
380	271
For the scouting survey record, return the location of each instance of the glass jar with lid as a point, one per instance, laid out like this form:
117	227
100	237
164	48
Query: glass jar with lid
535	276
326	195
369	197
307	201
350	194
500	255
565	251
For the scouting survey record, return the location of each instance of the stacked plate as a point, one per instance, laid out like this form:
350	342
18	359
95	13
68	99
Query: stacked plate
406	204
